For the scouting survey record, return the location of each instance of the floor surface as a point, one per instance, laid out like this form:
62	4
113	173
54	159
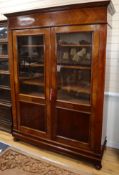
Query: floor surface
110	162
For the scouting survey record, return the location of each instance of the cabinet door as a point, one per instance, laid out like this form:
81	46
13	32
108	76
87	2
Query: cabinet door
31	74
74	88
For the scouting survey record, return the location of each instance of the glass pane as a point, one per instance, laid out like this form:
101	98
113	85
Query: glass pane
4	79
74	66
3	32
4	64
5	94
31	64
3	49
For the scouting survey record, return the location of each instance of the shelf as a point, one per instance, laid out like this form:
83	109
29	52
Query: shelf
40	45
5	40
32	94
5	87
3	57
77	89
5	103
5	72
75	67
33	65
36	65
75	45
63	99
34	76
34	82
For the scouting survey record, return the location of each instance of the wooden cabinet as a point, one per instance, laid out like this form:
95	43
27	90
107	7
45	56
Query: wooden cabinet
57	58
5	95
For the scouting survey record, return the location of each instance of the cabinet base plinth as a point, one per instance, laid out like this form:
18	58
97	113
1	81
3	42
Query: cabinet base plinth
64	150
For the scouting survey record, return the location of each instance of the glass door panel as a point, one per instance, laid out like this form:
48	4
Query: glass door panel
31	64
3	33
3	41
74	52
3	49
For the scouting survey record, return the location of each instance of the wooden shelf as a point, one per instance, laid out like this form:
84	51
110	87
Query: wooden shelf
33	65
3	57
6	72
35	76
63	99
5	103
5	100
35	82
32	94
77	89
5	87
75	45
40	45
5	40
36	65
75	67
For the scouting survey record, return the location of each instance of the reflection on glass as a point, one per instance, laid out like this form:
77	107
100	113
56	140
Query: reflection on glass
74	66
4	73
31	64
3	49
3	32
3	41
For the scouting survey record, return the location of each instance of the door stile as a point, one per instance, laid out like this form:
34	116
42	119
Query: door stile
53	82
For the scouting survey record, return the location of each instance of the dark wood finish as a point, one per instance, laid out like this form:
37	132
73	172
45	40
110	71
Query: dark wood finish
47	17
5	93
66	124
70	130
5	116
100	97
33	117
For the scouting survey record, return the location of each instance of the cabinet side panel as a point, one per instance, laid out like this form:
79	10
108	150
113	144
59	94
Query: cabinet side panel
100	91
107	77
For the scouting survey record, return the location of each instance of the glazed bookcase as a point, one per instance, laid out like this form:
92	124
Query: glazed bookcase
5	93
57	59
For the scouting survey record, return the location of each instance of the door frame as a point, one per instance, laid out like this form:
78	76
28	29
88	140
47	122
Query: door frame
19	97
88	108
